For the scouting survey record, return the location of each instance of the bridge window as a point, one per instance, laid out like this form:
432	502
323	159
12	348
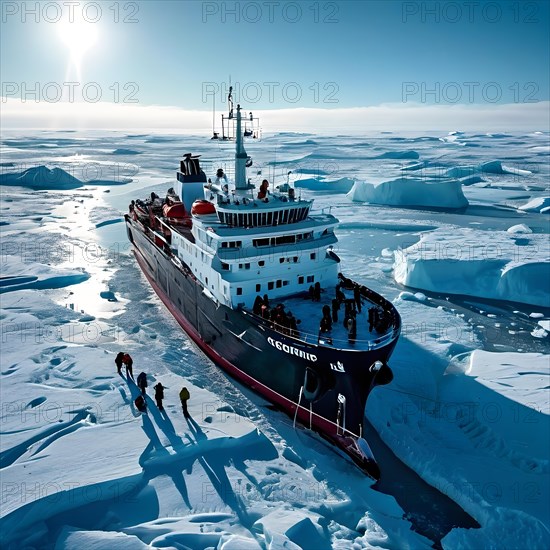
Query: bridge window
270	285
258	288
301	280
260	242
310	278
285	239
225	266
239	291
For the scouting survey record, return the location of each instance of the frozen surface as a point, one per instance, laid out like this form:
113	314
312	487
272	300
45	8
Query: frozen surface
467	412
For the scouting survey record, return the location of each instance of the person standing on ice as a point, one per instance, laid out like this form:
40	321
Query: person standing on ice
159	395
140	404
142	382
118	362
184	397
128	362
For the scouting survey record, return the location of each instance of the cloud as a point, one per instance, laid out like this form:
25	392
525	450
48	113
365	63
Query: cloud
355	120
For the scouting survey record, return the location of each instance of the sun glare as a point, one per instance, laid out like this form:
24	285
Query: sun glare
79	37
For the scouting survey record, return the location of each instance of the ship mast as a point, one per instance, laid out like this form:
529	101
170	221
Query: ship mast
240	157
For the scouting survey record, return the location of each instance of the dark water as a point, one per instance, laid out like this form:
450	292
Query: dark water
431	512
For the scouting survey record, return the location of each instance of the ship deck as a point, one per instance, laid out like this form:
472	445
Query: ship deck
309	314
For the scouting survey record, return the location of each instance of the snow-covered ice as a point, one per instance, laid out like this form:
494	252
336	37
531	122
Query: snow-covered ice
441	229
411	192
495	265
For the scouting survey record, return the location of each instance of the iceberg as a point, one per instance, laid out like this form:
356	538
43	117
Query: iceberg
411	192
540	204
498	266
491	167
342	185
42	177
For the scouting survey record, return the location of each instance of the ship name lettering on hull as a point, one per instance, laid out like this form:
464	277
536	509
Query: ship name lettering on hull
291	350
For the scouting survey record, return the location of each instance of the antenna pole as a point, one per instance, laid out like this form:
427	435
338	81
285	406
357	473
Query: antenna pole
240	156
213	114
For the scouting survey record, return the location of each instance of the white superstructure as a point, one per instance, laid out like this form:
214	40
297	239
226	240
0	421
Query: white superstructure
241	246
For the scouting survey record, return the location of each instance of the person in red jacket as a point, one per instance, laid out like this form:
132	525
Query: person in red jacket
118	362
128	362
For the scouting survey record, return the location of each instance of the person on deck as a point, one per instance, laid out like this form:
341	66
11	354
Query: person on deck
335	309
317	292
257	307
128	362
142	382
184	397
118	362
352	328
221	178
292	325
264	190
340	296
357	297
325	325
159	395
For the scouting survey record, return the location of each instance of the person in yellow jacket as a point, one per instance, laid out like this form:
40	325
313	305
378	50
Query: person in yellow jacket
184	396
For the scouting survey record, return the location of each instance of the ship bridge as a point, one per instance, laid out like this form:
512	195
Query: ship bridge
258	213
243	210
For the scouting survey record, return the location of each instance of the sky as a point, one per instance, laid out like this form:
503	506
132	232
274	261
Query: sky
125	60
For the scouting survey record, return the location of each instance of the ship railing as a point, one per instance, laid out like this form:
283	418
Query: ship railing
376	299
235	199
325	339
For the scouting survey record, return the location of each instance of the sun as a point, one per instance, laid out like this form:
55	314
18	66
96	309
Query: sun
79	37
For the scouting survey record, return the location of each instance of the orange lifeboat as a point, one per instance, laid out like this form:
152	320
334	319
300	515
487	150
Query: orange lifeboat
174	210
201	207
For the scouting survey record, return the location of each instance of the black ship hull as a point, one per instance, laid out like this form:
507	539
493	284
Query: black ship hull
324	388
